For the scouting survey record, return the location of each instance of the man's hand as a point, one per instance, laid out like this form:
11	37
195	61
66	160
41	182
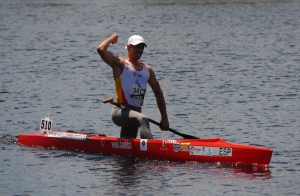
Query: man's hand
164	124
114	38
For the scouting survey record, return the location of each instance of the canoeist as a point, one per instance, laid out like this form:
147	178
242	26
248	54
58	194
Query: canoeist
131	77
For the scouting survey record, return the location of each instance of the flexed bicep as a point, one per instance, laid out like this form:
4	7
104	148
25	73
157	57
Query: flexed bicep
115	62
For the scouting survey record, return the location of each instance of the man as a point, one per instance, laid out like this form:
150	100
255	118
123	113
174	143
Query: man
131	77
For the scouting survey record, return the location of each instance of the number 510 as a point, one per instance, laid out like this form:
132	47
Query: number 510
46	124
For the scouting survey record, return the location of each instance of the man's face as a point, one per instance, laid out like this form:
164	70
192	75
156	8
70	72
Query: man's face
136	52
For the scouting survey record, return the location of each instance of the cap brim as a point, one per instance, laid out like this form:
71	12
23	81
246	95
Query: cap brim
137	44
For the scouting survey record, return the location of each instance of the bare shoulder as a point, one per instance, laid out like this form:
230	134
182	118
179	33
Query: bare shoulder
153	82
121	60
118	66
150	69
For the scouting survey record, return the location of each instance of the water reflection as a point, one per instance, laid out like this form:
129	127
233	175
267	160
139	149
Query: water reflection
126	173
132	171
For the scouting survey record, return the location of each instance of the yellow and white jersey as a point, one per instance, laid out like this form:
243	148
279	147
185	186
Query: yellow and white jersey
131	85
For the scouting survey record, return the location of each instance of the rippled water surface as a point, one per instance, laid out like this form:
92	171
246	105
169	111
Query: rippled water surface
228	68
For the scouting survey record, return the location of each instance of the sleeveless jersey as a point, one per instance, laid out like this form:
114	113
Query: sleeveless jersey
131	85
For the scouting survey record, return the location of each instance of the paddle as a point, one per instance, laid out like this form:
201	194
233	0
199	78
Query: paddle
185	136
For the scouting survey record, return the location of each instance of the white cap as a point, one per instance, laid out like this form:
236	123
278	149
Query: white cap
135	40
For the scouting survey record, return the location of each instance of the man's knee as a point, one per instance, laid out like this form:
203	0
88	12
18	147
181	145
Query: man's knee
144	121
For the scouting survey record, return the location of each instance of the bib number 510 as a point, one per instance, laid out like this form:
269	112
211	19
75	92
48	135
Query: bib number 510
46	125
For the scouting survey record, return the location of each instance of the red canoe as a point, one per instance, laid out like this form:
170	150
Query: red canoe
183	150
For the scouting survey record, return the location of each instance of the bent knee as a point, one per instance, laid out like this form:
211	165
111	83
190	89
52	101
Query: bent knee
144	121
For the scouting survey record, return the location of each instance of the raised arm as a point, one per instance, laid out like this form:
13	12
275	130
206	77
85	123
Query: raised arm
108	57
160	100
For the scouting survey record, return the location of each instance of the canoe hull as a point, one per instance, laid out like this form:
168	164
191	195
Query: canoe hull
183	150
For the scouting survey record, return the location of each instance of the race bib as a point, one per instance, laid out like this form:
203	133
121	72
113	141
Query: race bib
137	92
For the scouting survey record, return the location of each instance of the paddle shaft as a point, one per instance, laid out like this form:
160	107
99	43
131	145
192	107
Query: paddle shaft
185	136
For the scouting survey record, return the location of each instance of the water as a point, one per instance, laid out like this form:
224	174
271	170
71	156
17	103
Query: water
228	68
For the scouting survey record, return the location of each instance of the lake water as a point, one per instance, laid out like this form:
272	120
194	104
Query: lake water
228	68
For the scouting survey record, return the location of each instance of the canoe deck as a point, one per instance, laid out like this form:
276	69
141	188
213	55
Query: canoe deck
182	150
